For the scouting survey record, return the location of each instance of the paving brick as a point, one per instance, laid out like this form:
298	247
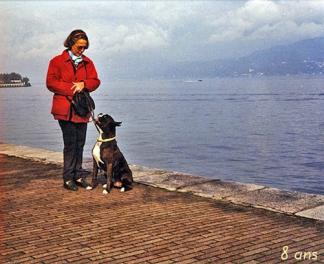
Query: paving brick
120	259
40	222
142	259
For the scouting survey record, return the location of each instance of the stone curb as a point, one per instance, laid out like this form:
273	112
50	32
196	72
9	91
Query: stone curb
281	201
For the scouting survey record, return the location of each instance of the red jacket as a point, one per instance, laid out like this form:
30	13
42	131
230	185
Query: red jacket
60	75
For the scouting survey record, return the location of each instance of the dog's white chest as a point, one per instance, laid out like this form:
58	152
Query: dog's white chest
96	153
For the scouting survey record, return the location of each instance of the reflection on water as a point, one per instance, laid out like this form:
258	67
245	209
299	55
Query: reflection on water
267	131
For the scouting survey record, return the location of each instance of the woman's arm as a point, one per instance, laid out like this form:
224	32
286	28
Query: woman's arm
92	82
53	82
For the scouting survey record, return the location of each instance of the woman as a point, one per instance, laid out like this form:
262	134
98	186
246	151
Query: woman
70	73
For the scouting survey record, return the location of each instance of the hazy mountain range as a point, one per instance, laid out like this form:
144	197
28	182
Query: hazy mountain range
303	57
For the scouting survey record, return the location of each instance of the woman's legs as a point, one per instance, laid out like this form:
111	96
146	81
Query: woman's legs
74	136
81	133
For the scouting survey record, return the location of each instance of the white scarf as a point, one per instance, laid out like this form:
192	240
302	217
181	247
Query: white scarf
76	59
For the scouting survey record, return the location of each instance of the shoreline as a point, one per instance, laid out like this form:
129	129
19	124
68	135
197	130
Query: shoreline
250	195
13	85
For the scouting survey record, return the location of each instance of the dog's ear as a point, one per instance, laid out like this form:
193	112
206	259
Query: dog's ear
118	123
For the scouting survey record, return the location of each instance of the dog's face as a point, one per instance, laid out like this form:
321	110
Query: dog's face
106	122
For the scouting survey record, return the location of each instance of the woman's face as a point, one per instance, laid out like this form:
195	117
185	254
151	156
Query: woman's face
79	46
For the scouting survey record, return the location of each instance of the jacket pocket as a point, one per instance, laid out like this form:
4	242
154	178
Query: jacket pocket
61	105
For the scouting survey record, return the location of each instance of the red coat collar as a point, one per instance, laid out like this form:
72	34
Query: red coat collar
66	56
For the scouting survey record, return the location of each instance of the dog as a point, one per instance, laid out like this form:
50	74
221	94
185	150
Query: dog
107	156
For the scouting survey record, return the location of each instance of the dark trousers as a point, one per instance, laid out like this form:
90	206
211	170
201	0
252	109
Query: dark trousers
74	137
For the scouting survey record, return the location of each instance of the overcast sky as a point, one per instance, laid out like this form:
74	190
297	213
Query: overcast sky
127	35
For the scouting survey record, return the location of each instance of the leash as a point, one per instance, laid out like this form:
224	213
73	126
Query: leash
100	139
93	120
89	104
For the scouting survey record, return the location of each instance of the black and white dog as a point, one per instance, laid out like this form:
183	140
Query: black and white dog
108	157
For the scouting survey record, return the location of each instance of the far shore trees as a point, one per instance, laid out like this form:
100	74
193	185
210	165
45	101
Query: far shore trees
13	80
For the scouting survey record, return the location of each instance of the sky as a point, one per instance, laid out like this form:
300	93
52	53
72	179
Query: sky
128	38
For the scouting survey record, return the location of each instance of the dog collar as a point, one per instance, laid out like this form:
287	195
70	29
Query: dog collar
106	140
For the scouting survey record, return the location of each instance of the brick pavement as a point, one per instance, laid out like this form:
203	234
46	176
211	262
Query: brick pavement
40	222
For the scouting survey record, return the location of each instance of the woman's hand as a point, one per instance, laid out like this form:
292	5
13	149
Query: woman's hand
77	87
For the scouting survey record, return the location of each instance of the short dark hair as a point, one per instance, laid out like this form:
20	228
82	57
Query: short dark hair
74	36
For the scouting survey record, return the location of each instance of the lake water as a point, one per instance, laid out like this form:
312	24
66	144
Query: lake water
268	131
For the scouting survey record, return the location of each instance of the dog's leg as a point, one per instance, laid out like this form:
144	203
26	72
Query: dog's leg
94	182
109	178
104	186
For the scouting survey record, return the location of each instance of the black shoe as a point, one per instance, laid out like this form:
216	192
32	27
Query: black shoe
83	184
70	185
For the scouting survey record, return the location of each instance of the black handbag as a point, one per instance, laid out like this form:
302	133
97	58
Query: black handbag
82	103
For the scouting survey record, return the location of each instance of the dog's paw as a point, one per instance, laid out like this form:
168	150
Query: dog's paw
89	188
122	189
104	186
105	192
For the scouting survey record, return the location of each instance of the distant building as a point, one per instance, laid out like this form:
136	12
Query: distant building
13	80
13	83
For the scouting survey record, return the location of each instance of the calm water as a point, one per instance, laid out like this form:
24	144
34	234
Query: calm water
268	131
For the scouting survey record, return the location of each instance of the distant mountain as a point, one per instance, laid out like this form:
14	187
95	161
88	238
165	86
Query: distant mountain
303	57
